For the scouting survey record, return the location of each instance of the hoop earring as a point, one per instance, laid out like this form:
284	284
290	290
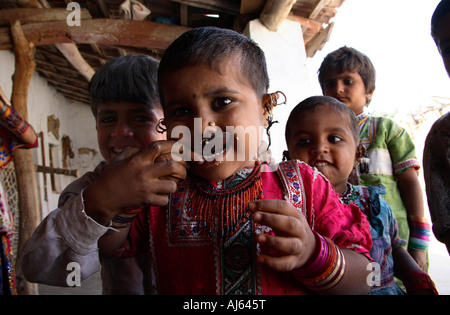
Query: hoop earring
161	126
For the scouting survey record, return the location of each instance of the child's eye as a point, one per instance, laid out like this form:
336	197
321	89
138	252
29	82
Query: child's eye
348	81
220	102
334	139
330	84
180	111
106	119
142	118
303	142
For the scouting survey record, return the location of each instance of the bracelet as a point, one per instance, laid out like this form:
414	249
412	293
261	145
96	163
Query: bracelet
124	218
12	120
417	280
420	231
327	267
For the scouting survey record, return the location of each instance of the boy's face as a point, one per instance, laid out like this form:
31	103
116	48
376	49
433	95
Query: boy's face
347	87
322	139
220	98
443	40
124	124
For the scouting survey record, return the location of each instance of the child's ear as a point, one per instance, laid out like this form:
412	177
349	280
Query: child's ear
269	101
267	104
369	95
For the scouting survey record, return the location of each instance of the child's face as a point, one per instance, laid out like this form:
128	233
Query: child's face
443	40
220	98
347	87
322	139
123	124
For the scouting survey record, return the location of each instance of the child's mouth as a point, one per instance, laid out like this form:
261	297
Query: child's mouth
320	164
117	150
214	148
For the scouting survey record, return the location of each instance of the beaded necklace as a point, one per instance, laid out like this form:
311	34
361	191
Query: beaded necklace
229	205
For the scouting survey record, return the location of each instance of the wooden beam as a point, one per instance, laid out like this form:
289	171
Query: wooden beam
228	7
70	51
56	170
319	6
29	215
275	13
318	41
99	31
30	15
307	23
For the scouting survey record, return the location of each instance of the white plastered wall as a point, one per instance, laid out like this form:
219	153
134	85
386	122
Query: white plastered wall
286	63
75	120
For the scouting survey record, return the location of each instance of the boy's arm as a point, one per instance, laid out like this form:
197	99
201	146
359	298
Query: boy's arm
66	235
411	191
412	196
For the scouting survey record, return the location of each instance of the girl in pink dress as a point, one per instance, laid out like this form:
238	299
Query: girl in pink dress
236	225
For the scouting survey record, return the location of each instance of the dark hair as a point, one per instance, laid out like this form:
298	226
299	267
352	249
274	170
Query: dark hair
349	59
442	9
311	103
131	78
212	45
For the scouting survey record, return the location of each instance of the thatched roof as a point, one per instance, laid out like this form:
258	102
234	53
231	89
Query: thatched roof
106	31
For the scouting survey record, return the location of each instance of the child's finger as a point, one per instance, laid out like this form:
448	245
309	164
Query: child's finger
172	170
283	245
277	206
283	225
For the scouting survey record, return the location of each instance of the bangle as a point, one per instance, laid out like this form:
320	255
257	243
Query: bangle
12	120
327	267
420	231
417	280
124	218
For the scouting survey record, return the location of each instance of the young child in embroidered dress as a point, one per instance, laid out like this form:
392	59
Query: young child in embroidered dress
227	229
138	170
349	76
323	132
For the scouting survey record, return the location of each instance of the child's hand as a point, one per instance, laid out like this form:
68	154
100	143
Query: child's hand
136	178
293	240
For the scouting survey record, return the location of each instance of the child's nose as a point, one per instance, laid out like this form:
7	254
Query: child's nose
320	147
339	88
122	129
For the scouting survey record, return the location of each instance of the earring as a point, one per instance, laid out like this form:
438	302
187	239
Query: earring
161	126
363	160
275	96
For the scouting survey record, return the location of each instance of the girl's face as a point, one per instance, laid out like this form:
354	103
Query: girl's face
123	124
322	139
221	99
347	87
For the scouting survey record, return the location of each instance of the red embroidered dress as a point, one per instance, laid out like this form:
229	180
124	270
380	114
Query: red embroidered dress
194	253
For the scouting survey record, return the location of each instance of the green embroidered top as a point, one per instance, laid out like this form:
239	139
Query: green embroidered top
391	151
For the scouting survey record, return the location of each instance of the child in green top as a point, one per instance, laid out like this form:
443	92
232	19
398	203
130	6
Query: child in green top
349	76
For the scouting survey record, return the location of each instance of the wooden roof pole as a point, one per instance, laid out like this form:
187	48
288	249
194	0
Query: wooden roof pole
29	212
275	12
